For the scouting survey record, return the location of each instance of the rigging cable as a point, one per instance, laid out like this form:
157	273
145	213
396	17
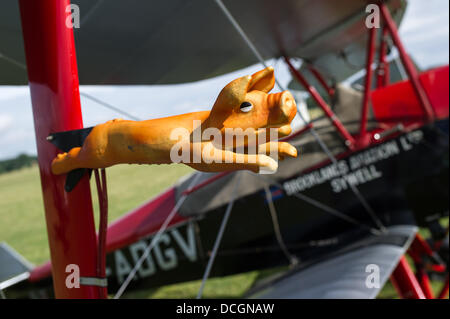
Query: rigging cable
320	205
276	228
109	106
12	61
255	51
155	239
219	237
86	95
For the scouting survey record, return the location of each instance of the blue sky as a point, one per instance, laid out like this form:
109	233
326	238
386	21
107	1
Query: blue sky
425	32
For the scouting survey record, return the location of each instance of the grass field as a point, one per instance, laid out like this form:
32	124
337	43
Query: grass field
22	222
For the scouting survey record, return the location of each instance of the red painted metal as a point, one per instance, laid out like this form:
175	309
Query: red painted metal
408	64
422	253
405	108
424	282
40	272
350	142
383	71
53	81
436	83
420	247
206	182
321	80
362	140
405	281
438	244
444	292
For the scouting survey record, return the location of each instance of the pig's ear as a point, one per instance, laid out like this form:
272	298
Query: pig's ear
263	80
234	93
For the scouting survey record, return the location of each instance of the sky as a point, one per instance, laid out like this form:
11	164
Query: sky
424	31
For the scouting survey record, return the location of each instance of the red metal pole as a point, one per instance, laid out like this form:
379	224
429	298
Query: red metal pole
367	83
383	66
409	66
444	291
321	80
405	281
424	282
53	80
322	104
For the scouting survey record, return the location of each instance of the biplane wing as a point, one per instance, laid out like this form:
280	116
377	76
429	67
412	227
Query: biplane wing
14	268
357	272
164	42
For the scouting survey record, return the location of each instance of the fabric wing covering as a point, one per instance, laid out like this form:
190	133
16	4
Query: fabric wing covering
177	41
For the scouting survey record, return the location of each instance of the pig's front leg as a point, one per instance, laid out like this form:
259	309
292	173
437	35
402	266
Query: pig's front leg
277	149
214	159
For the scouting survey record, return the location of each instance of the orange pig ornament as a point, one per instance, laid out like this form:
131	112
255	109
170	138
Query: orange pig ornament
244	108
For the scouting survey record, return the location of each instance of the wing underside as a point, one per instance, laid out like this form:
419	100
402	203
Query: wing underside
176	41
358	272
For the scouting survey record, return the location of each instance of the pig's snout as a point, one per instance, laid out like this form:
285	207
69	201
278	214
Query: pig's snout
282	106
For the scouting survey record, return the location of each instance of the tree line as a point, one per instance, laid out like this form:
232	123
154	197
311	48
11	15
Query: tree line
22	160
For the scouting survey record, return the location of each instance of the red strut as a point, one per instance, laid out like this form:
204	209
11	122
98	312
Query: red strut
53	81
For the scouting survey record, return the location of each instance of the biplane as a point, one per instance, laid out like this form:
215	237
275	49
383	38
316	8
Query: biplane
343	216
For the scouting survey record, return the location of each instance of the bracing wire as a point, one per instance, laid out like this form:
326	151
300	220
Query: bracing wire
86	95
255	51
319	205
219	238
109	106
154	240
8	59
276	227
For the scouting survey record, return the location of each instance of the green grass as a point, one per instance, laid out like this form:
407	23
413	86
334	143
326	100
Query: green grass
227	287
131	185
22	223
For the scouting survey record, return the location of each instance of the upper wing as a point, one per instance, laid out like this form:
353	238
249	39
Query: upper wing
176	41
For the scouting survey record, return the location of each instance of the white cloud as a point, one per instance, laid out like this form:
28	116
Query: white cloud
425	32
9	92
5	122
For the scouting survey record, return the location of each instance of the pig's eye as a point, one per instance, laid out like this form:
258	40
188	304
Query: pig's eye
246	107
